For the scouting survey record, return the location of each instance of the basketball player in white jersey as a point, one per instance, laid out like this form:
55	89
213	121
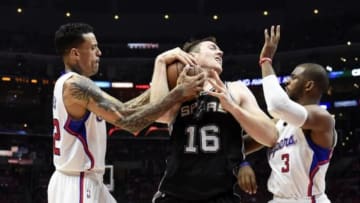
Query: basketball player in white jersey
300	158
80	110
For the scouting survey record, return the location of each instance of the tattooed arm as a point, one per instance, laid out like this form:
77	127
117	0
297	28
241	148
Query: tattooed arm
81	95
140	100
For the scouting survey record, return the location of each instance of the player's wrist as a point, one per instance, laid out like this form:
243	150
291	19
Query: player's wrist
262	60
244	163
237	168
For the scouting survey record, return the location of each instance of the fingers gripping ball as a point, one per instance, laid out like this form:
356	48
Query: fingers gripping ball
175	69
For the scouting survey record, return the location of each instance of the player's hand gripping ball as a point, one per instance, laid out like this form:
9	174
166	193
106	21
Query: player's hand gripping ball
175	69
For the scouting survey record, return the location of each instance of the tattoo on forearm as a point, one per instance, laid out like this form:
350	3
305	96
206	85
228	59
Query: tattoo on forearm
147	115
135	124
140	100
136	114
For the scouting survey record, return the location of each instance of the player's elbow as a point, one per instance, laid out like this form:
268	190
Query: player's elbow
275	107
276	104
271	136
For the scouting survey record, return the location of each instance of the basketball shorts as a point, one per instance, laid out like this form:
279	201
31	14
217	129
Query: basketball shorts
80	187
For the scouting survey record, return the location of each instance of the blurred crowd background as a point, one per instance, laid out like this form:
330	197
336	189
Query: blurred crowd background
130	35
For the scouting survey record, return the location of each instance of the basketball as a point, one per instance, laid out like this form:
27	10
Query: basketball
174	70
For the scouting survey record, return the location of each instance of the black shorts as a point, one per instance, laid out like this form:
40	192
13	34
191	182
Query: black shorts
230	197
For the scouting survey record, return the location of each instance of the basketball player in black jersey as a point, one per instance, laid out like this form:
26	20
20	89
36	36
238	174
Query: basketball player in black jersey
206	133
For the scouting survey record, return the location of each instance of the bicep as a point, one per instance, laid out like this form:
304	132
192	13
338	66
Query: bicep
248	102
85	93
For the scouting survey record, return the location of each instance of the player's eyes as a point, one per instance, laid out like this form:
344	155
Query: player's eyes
213	47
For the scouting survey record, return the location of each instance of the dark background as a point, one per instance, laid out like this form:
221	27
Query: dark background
27	52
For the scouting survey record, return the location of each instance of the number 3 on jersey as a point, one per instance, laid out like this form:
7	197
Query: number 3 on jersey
209	139
56	136
286	167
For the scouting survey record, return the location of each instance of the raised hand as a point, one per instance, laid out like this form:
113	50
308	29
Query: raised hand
271	42
190	86
177	54
221	92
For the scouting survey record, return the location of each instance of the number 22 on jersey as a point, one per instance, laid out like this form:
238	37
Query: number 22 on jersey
56	136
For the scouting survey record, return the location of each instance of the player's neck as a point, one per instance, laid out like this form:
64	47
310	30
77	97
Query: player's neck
207	85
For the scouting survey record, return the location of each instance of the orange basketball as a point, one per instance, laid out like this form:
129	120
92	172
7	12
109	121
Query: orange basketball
174	70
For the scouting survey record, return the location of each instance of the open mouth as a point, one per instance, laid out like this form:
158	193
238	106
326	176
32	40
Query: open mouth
219	60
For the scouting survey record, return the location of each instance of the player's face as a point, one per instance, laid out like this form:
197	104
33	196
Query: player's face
210	56
89	55
295	84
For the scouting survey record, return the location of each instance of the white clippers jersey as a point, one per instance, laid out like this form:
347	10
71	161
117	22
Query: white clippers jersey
298	165
78	145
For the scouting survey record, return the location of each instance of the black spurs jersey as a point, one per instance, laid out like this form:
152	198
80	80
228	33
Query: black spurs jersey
206	147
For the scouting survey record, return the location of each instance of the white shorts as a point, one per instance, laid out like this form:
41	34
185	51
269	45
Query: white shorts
82	188
318	199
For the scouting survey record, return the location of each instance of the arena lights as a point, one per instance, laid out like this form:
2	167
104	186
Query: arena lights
122	85
143	87
325	105
355	72
336	74
143	45
258	81
329	68
6	79
103	84
215	17
345	103
340	104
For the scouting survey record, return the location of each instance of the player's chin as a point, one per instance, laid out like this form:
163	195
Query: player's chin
95	69
218	69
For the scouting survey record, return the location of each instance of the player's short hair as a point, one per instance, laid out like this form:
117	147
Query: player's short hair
70	35
192	44
318	74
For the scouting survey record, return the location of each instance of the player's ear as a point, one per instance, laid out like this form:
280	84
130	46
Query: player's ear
74	52
309	85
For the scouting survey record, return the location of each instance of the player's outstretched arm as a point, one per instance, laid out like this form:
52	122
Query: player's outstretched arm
278	102
140	100
159	82
82	92
241	103
279	105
